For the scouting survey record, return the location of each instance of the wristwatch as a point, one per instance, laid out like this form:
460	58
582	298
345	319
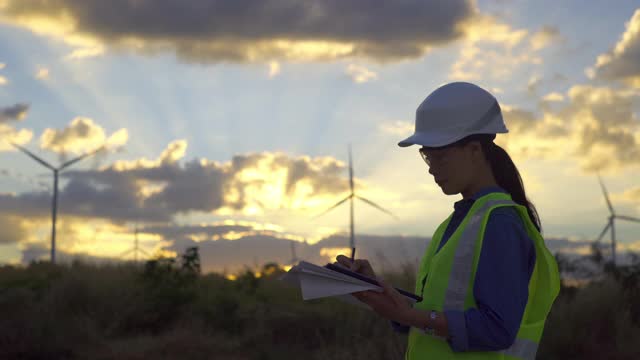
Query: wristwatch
433	316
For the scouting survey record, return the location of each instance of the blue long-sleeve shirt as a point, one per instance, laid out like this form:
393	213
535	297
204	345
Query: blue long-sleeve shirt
501	287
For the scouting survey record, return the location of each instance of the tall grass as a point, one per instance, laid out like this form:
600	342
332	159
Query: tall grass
161	311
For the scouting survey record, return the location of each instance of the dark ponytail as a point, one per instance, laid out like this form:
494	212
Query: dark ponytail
508	177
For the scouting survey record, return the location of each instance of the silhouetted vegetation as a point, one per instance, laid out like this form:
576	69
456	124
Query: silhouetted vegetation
166	309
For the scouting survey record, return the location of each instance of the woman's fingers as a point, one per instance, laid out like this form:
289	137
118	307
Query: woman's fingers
358	265
355	265
343	260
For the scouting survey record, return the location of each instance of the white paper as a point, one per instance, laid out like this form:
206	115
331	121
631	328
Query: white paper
317	282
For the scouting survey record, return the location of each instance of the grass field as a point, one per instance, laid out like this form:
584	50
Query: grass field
167	311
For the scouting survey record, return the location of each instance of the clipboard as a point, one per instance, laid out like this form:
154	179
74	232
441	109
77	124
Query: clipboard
369	280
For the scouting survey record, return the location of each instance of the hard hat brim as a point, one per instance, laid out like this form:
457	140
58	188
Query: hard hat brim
430	139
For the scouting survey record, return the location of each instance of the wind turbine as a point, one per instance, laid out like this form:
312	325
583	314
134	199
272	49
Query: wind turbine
350	197
56	171
611	222
294	258
135	248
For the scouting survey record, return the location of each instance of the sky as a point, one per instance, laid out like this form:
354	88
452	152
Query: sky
231	120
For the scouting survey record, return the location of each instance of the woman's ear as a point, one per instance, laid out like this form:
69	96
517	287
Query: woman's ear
476	150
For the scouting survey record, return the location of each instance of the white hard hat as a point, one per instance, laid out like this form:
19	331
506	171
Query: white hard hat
453	112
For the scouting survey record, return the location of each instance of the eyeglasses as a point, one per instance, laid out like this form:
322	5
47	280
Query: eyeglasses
436	157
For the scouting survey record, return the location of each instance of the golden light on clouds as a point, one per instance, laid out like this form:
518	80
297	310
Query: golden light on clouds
63	26
488	29
100	238
622	62
80	136
332	252
296	33
360	74
553	97
146	189
543	38
274	69
493	50
42	73
174	152
3	80
630	196
314	50
11	135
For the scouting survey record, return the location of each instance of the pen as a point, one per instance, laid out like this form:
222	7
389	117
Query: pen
353	253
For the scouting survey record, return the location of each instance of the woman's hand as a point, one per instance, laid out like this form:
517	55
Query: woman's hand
360	266
389	304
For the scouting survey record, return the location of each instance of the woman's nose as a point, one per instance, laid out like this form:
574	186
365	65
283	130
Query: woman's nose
431	170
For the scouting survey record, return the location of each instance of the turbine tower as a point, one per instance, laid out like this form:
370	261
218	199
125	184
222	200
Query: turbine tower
294	258
56	171
136	249
350	197
611	222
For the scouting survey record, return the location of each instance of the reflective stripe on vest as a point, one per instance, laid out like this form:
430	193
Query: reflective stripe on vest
461	275
451	284
522	349
463	258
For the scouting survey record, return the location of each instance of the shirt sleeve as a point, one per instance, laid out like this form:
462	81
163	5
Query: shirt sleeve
501	287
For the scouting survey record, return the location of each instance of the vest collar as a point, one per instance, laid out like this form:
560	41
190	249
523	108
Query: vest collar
466	203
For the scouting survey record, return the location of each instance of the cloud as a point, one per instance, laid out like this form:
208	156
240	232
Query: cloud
38	252
3	80
42	73
15	112
533	83
274	69
226	231
158	190
398	128
9	134
631	195
14	230
543	38
597	127
80	136
553	96
360	74
493	50
623	61
211	31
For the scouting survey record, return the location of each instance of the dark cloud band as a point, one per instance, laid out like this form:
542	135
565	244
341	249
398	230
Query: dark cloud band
257	30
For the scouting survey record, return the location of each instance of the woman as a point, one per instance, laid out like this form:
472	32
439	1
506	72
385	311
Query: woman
487	279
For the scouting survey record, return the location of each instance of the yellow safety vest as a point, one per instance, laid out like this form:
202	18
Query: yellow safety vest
451	274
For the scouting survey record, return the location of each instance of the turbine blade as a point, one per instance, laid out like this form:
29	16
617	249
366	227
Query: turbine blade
73	161
604	231
606	195
126	252
144	251
628	218
334	206
377	207
33	156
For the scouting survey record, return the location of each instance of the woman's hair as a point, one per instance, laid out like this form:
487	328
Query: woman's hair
506	173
